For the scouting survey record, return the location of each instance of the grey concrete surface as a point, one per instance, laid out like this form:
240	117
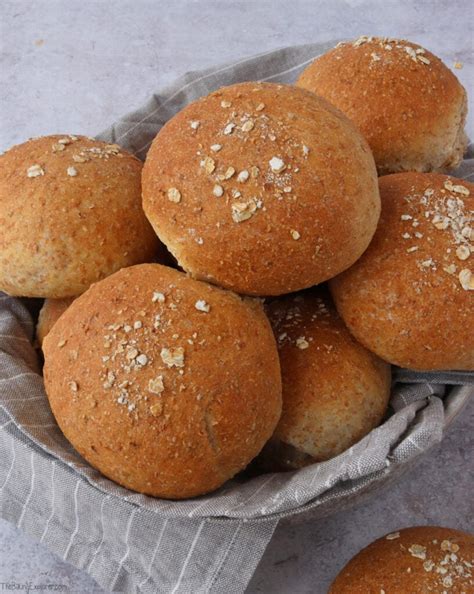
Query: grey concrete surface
75	65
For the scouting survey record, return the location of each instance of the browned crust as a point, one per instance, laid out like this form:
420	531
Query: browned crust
49	314
334	390
404	299
421	559
61	232
311	220
411	112
214	413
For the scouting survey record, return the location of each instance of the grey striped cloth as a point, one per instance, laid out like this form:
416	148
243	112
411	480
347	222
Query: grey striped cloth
133	543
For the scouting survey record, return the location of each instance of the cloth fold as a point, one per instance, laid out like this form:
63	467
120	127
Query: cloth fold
133	543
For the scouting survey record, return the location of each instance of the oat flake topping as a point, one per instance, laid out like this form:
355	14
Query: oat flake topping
174	195
302	343
201	305
34	171
208	164
466	278
392	536
218	190
456	188
243	176
247	126
276	164
446	210
173	357
157	296
295	234
229	128
241	211
418	551
156	385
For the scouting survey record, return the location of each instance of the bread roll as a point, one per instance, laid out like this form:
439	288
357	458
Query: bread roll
167	385
409	106
261	188
415	560
70	214
49	314
410	298
334	390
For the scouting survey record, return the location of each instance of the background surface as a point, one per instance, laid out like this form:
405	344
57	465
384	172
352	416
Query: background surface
73	66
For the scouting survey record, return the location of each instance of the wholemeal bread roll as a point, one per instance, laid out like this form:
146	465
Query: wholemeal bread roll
70	214
409	106
415	560
410	298
167	385
334	390
261	188
49	314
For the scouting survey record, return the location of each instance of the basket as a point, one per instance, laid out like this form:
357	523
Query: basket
134	543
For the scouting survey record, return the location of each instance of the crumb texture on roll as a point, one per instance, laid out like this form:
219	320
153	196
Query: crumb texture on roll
49	314
410	297
70	214
334	390
415	560
409	106
167	385
261	188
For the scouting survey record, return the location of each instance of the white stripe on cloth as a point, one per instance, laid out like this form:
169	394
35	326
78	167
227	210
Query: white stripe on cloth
21	399
127	547
292	69
222	492
106	498
76	516
256	492
8	317
225	554
51	515
39	426
20	338
188	556
315	476
153	557
412	441
18	375
7	478
30	492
